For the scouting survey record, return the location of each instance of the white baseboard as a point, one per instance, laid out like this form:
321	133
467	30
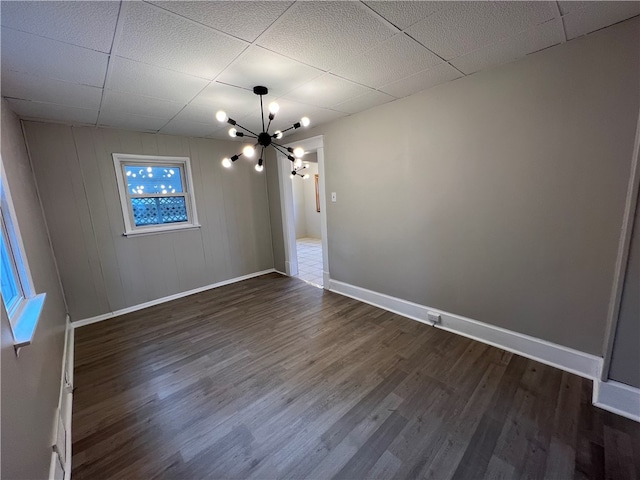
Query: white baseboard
134	308
564	358
60	468
618	398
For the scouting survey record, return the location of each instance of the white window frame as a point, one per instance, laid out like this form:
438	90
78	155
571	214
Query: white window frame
120	160
25	311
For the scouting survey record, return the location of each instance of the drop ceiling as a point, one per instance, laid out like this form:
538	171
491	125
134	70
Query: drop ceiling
167	67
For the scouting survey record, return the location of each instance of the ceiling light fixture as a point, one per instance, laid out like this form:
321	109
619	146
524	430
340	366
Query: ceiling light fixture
264	139
297	171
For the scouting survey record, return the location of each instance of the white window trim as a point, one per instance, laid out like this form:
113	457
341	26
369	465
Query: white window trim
130	229
23	319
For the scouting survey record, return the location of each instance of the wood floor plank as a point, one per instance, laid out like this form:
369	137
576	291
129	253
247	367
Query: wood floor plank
271	378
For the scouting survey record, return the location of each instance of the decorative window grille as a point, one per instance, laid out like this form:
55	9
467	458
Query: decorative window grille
156	193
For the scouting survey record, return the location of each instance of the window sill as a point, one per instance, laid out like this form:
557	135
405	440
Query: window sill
27	321
155	231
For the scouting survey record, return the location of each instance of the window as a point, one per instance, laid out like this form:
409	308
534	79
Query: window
156	193
22	305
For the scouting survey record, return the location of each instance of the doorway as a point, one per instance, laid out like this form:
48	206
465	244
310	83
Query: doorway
304	216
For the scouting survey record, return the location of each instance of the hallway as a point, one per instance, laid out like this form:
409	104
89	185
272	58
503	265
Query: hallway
310	260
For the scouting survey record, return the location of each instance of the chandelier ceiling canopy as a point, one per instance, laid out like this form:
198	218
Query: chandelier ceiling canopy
265	139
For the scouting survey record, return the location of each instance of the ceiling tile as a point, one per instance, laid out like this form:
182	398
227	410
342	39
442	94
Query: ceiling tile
291	112
467	26
51	111
566	7
200	119
127	121
200	114
29	87
27	53
326	91
322	34
598	15
140	105
140	79
319	116
258	66
233	100
246	20
152	35
364	102
404	14
396	58
191	129
538	38
422	80
86	24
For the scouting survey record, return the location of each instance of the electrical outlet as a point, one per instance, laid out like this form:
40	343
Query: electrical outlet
433	317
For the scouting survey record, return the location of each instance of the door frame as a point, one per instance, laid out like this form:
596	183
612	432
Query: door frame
310	145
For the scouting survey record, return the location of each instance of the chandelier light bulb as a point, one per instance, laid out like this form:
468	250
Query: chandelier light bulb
259	167
297	164
274	107
233	132
278	134
226	163
298	152
305	176
249	151
305	121
291	176
221	116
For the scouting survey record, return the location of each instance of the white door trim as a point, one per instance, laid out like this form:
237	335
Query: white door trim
313	144
624	247
286	210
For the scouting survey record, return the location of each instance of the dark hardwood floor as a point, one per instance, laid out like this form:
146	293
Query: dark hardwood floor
272	378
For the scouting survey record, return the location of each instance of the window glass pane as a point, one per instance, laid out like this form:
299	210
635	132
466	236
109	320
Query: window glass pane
159	210
147	179
10	290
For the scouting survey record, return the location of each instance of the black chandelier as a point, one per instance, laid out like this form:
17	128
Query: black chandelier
264	139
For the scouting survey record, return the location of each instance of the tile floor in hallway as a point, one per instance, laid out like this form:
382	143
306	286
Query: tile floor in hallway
310	260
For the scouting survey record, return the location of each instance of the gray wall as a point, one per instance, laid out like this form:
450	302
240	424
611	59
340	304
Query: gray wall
498	196
103	271
625	358
30	383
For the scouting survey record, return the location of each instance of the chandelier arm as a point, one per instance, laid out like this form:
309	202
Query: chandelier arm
269	124
280	149
246	130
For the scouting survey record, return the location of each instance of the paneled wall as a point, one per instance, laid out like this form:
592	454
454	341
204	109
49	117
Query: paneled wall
498	196
104	271
30	382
